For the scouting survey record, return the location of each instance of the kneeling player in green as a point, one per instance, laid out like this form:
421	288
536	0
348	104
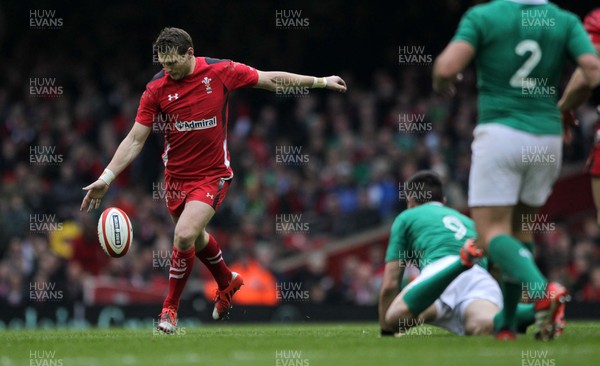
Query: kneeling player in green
451	292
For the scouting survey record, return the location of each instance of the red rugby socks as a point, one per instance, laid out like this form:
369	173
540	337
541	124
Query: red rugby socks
182	263
212	258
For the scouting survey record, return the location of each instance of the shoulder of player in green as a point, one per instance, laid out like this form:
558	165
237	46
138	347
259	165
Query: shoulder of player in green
426	213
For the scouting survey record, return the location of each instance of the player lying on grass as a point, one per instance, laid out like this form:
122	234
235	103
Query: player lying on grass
451	292
187	100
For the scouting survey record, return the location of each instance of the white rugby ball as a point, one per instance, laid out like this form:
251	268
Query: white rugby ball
115	232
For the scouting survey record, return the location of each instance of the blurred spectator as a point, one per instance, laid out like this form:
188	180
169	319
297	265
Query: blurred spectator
363	286
315	279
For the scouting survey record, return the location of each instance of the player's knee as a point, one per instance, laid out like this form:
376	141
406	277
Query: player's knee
479	326
185	238
391	319
394	315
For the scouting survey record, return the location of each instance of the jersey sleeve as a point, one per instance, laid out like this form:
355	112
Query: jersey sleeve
397	249
579	42
468	29
236	75
148	109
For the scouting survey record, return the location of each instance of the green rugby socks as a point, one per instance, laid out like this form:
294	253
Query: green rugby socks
530	246
520	275
423	294
523	318
517	264
511	295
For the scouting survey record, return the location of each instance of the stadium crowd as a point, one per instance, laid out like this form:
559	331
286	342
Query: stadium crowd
333	164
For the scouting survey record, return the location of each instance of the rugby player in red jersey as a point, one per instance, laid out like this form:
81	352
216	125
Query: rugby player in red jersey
576	93
189	96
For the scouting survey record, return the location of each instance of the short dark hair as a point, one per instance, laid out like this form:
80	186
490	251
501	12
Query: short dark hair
425	186
173	38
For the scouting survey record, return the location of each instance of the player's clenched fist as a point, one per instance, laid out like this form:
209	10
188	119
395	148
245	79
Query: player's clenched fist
336	83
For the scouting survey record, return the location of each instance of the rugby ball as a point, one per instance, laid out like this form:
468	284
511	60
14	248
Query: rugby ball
115	232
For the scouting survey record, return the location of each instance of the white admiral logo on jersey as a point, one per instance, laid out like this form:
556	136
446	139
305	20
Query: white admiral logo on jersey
175	96
183	126
206	81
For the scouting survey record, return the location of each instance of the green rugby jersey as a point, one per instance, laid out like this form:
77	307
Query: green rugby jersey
520	50
428	232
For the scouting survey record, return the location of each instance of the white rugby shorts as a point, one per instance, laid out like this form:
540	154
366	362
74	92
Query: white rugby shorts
510	166
473	284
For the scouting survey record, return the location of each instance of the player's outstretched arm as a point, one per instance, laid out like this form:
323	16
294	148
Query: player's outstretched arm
127	151
271	80
390	288
448	66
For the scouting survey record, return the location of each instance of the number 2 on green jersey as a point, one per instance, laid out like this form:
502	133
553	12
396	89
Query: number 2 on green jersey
519	79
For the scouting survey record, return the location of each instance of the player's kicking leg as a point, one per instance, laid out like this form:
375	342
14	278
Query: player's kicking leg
228	282
190	229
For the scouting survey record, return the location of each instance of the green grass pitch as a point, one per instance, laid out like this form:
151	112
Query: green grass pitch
292	345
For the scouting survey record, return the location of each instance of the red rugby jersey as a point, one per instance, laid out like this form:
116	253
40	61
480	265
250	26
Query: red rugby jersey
192	114
591	23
